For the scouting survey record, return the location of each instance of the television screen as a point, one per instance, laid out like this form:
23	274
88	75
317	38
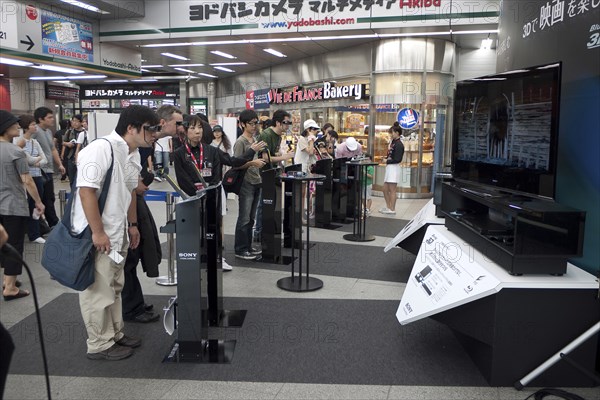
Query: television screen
506	130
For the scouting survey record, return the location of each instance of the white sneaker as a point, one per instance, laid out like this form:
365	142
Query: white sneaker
225	266
384	210
157	179
389	212
40	240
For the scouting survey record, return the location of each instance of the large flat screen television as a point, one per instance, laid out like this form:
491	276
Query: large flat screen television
505	131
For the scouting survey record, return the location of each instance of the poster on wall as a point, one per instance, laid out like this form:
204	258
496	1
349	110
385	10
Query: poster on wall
66	37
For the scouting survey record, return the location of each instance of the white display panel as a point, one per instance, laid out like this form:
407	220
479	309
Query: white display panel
443	276
449	272
101	124
425	216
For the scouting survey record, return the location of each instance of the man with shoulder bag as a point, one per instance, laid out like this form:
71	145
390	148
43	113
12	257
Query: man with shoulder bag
101	303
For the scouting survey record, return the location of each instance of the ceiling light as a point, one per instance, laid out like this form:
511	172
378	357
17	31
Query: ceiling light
115	80
10	61
78	77
224	69
185	65
61	81
56	68
175	56
185	70
144	80
207	75
152	66
227	64
486	44
47	78
85	6
275	53
220	53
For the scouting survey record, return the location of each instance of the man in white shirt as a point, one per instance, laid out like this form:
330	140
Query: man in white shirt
101	306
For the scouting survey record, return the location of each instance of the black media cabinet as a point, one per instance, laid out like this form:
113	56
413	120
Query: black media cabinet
524	235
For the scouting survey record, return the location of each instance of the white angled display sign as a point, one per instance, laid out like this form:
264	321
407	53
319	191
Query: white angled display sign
425	216
445	275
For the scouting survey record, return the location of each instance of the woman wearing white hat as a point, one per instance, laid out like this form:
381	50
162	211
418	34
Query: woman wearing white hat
392	170
305	152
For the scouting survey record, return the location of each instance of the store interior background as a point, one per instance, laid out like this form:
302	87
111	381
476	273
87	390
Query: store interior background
417	72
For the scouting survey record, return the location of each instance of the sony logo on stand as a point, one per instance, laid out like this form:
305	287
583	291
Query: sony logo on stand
187	256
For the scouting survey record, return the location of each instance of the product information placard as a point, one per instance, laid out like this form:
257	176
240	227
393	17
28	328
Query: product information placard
445	275
425	216
66	37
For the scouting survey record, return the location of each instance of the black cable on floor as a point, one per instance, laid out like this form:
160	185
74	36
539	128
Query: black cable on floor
10	252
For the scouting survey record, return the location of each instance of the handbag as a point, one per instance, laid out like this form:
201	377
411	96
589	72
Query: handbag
69	257
233	179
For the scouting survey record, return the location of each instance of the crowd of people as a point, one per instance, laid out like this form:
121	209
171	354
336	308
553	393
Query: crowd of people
143	145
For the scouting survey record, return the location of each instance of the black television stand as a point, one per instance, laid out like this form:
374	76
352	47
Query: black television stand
524	235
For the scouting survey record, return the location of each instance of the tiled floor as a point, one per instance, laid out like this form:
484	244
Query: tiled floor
243	282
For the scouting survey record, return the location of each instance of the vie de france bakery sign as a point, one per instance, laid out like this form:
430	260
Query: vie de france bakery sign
328	91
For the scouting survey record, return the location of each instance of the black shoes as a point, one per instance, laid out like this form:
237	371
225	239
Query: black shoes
246	256
256	251
129	341
113	353
145	317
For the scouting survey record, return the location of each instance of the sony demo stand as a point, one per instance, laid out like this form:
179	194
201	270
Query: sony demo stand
199	303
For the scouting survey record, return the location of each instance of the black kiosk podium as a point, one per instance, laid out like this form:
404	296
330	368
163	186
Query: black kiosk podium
199	302
359	188
271	218
324	195
339	189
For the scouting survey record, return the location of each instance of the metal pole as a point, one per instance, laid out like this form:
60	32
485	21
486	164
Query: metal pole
62	196
170	279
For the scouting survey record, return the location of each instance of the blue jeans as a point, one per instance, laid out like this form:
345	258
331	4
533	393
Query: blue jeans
258	222
162	157
248	199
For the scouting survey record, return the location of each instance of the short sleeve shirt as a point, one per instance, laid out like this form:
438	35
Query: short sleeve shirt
93	164
240	147
272	139
46	139
13	197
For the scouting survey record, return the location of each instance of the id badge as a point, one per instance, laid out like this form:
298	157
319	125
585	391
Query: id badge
207	172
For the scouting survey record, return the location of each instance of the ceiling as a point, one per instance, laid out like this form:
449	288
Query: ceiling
252	54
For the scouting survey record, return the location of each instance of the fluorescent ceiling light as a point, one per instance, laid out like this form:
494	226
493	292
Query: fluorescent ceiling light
152	66
549	66
47	78
208	75
275	53
185	65
144	70
86	6
486	44
185	70
61	81
220	53
175	56
143	80
10	61
56	68
227	64
115	80
78	77
224	69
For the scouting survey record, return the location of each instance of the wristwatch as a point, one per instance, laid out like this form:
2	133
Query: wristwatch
131	224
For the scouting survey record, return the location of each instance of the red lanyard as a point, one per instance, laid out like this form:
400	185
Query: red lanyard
198	164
